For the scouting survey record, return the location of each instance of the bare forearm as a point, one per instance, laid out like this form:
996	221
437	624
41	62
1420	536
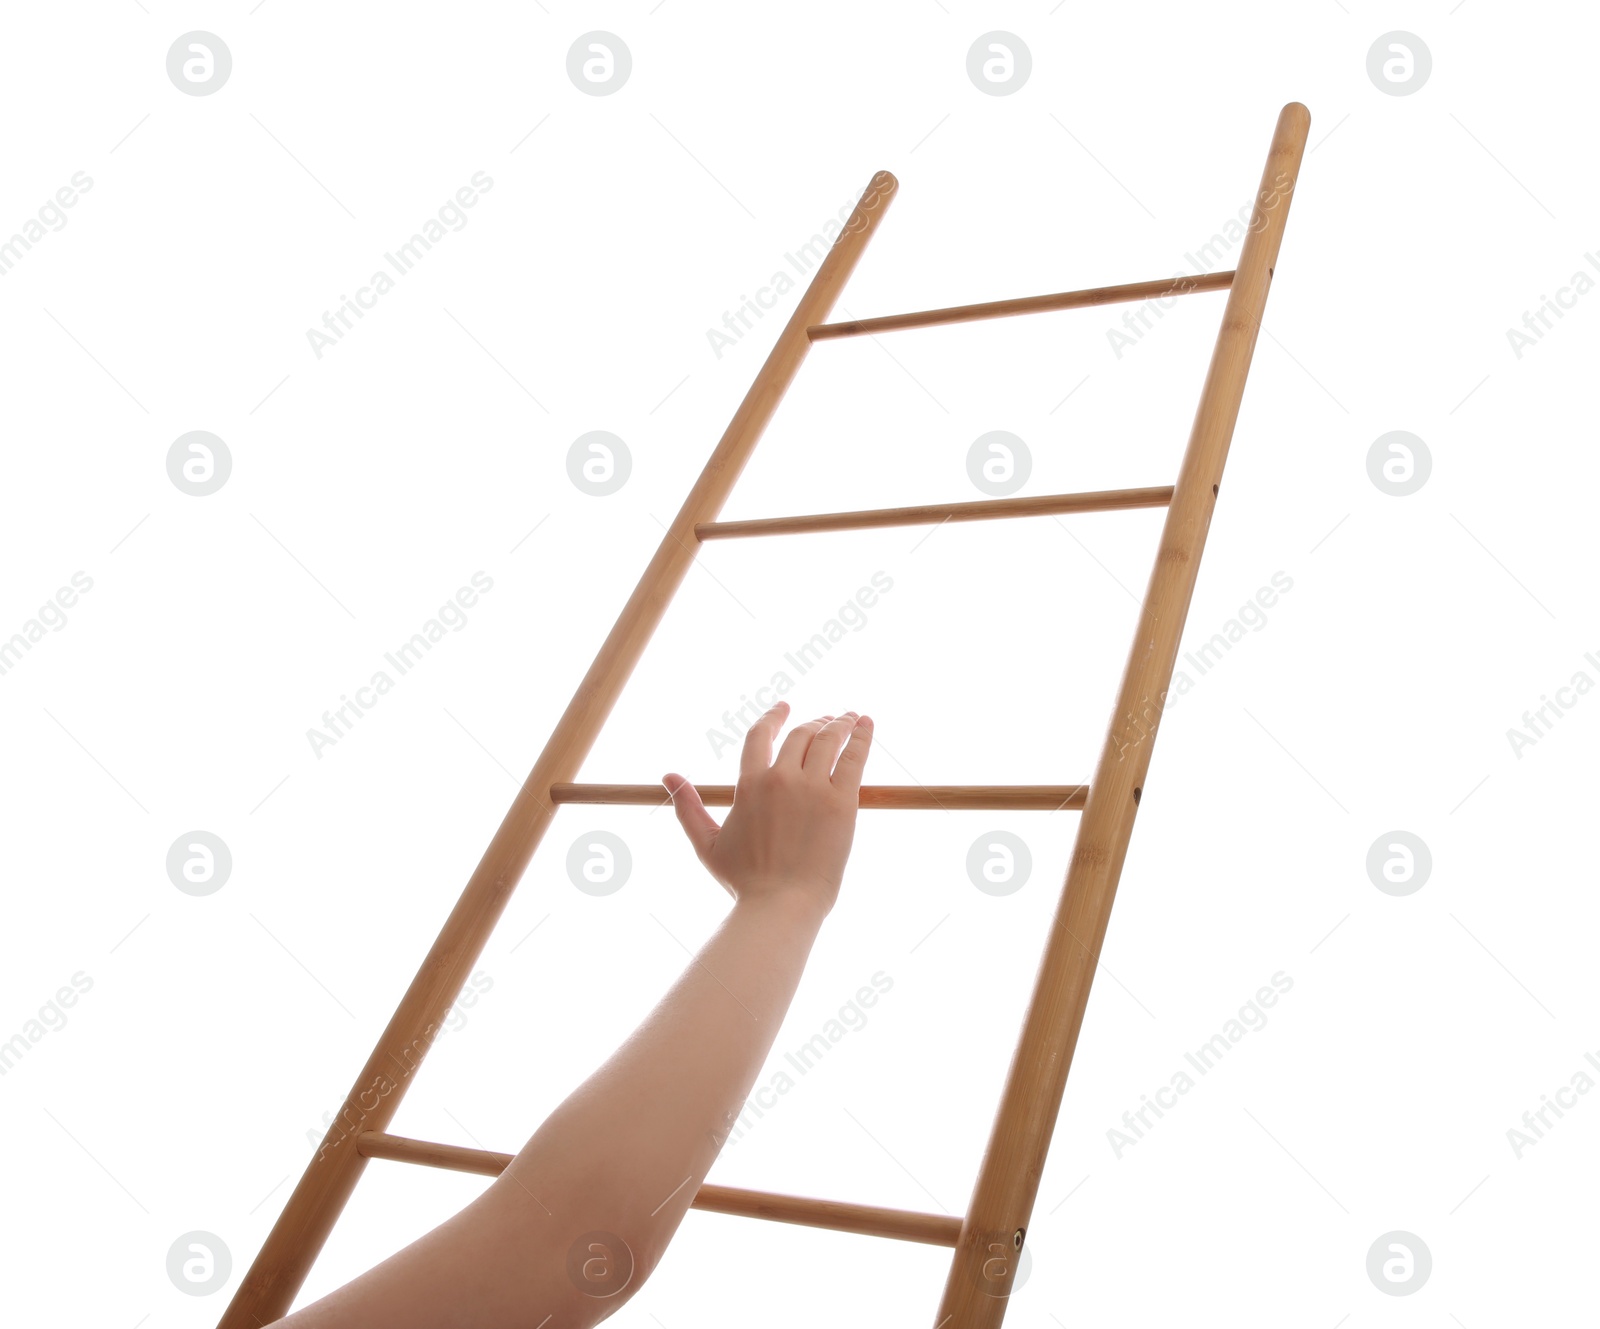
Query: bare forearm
627	1150
585	1210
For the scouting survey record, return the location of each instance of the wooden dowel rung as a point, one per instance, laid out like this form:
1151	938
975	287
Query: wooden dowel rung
1161	289
427	1153
869	1220
898	797
1038	505
866	1219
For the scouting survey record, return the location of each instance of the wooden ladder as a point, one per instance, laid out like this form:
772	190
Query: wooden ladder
987	1240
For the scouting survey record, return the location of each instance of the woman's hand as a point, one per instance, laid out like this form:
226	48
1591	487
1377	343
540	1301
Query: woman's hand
789	831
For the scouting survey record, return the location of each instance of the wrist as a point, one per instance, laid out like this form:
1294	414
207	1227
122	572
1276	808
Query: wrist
791	904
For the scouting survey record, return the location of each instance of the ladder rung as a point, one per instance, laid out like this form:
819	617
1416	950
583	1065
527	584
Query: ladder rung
1028	304
866	1219
869	1220
900	797
1103	500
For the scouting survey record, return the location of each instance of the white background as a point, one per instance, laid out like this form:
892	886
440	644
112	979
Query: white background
370	483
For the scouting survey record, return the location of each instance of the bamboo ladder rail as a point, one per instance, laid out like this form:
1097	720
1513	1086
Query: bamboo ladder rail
997	1217
992	1231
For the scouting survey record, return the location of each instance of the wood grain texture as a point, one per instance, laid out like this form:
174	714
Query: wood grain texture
984	1265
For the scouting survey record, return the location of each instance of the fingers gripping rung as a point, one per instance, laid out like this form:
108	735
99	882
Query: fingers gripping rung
898	797
866	1219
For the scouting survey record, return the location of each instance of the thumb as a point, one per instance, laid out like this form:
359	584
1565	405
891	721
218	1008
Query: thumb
697	823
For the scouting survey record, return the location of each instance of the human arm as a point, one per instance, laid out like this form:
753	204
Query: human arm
585	1210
